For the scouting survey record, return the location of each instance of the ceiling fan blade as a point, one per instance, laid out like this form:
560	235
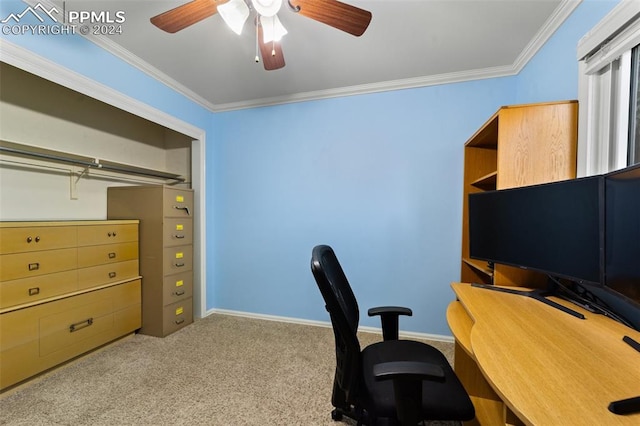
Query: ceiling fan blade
342	16
188	14
271	52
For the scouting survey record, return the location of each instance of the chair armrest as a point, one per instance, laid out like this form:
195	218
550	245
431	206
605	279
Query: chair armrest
389	318
410	370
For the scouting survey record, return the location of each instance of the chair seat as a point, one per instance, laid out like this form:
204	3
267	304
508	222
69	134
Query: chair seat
445	400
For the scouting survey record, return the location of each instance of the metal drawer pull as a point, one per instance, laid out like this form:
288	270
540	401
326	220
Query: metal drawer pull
33	291
186	209
112	255
179	293
111	234
180	321
80	325
179	236
112	274
179	265
34	266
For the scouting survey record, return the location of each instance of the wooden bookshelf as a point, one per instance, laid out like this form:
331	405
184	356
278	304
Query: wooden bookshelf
519	145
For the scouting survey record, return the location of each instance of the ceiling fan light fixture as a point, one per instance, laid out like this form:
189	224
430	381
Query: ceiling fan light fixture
272	28
267	8
235	14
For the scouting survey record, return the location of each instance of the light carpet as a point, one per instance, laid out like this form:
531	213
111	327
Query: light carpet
221	370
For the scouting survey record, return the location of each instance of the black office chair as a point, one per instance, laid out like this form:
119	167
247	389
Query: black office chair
394	381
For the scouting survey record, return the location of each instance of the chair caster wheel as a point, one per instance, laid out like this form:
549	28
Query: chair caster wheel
336	415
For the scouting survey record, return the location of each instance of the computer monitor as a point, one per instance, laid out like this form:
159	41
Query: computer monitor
554	228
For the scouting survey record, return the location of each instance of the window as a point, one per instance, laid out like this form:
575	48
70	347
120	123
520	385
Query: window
608	92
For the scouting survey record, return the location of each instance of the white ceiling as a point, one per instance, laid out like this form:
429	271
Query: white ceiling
409	43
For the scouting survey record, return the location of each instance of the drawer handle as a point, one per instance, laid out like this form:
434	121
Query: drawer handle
34	266
111	234
180	321
186	209
179	265
34	291
80	325
178	236
112	255
179	293
29	239
112	274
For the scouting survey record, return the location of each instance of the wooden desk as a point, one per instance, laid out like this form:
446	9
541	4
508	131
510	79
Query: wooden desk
524	362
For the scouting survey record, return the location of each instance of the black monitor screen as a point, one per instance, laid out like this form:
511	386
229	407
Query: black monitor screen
553	228
622	230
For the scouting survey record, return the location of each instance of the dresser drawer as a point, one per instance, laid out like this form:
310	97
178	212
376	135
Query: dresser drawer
107	234
108	253
27	239
37	338
105	274
177	203
23	265
177	259
177	287
177	232
177	315
27	290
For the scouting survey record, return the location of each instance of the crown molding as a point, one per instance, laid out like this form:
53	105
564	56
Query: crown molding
363	89
122	53
561	13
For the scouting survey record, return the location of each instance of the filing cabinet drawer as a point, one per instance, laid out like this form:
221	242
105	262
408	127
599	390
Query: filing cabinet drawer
105	274
109	253
107	234
177	232
177	203
177	287
23	265
27	290
177	315
26	239
177	259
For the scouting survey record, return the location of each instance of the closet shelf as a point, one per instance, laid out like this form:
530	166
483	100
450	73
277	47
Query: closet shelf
18	149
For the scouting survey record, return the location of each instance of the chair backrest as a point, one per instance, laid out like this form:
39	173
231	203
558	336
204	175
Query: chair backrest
343	310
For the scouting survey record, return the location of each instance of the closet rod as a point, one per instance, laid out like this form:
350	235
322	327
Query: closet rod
110	166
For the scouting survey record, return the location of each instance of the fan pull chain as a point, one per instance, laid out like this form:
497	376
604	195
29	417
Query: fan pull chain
273	42
257	36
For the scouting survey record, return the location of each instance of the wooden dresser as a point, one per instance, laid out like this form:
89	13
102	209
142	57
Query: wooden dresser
166	252
65	288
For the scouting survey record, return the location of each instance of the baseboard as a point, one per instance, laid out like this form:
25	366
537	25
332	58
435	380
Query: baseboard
326	324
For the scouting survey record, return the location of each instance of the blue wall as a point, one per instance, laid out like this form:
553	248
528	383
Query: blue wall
378	176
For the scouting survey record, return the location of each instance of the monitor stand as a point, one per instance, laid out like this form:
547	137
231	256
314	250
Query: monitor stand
539	295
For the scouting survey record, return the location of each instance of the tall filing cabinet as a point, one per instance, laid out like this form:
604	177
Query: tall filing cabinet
166	252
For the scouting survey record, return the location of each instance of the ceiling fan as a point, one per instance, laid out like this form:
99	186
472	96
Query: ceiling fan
269	30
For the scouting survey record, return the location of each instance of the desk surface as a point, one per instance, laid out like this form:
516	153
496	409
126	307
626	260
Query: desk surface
549	367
